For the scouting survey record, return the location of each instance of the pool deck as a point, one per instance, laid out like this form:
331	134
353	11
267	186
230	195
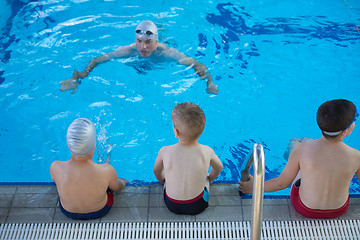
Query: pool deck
39	204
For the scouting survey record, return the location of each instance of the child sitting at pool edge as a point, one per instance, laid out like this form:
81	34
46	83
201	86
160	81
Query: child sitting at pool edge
183	167
85	187
322	168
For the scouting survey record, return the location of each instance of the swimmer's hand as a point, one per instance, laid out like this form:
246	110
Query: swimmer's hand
212	89
71	83
246	187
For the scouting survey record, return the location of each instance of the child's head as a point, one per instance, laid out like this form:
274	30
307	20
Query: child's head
189	120
335	116
81	137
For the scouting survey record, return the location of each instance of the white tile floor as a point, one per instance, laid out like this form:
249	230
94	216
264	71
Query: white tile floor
20	204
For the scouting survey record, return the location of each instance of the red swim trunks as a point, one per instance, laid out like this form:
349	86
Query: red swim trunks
313	213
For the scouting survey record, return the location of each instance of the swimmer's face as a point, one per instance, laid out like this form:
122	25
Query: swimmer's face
146	46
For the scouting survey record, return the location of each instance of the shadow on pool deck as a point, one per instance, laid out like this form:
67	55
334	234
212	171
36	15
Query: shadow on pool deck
39	204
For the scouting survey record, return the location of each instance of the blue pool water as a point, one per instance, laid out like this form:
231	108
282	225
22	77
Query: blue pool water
274	62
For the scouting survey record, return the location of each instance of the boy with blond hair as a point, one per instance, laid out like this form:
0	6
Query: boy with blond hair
325	166
183	167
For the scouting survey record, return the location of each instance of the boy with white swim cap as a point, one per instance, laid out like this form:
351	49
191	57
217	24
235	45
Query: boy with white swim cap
81	137
321	169
85	187
183	167
147	46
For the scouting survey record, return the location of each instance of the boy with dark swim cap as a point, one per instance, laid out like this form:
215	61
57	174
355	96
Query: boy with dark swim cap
85	188
322	168
147	46
183	167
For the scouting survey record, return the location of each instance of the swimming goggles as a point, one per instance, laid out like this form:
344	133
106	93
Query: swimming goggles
338	132
355	117
144	32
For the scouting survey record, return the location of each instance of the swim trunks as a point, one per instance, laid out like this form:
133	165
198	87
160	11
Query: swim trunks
313	213
93	215
190	207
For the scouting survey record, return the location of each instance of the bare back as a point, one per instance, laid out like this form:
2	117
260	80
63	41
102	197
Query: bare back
81	185
327	169
186	169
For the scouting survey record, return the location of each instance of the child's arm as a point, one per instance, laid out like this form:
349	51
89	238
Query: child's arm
289	173
216	167
158	168
115	184
284	180
358	174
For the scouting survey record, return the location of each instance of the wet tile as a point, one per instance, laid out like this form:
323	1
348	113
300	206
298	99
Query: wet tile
294	215
59	217
131	214
162	214
267	202
6	199
35	200
270	212
353	212
156	200
354	201
3	214
36	189
131	200
270	202
224	189
156	189
224	200
30	215
221	213
135	190
8	189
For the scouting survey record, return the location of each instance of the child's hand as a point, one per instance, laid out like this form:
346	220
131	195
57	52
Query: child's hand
246	187
123	181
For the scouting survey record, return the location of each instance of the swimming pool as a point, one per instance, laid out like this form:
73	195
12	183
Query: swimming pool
274	64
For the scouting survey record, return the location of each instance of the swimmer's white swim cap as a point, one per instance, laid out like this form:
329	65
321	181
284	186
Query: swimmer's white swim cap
81	137
146	29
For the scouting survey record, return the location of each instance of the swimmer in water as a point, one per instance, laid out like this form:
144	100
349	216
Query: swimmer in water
146	46
85	188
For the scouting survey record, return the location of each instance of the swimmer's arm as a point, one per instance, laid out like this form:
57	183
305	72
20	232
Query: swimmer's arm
121	52
73	82
115	184
158	168
200	69
216	167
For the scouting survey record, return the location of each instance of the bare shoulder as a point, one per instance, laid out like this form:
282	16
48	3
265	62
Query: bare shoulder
170	52
57	164
106	167
124	51
162	47
302	146
56	169
354	152
206	148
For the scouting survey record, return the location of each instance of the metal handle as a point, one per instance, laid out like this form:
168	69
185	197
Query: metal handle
258	190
